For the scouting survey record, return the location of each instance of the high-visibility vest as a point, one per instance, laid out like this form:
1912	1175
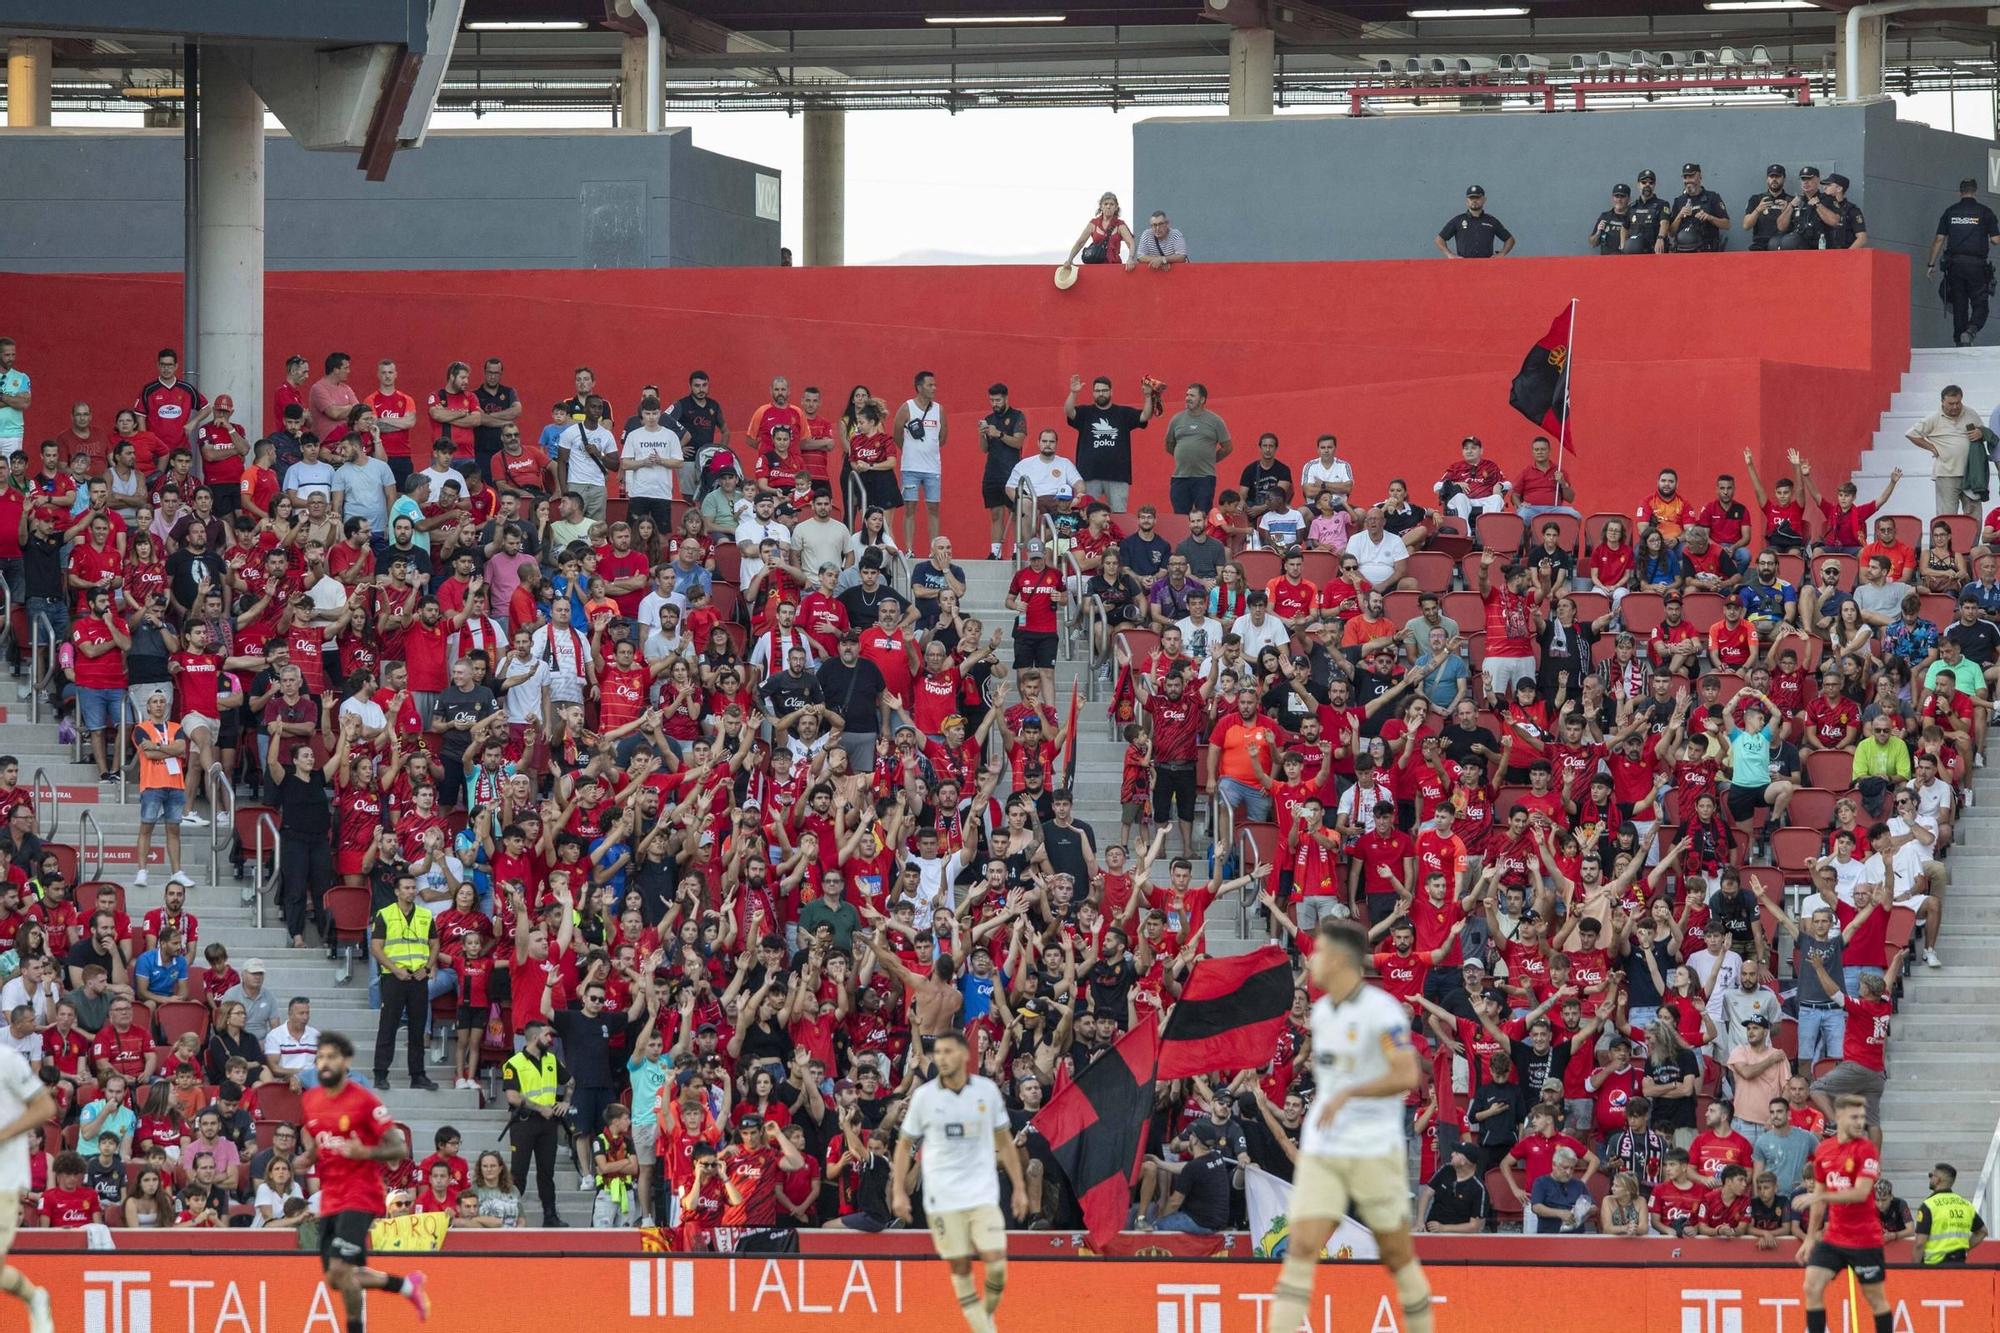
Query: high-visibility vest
1951	1226
406	940
537	1078
159	774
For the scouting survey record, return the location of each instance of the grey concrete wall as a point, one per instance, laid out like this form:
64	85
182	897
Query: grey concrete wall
88	201
1336	187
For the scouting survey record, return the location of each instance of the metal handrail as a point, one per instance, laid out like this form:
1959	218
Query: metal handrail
1094	615
38	678
1987	1196
221	791
121	757
1024	517
265	821
40	782
88	827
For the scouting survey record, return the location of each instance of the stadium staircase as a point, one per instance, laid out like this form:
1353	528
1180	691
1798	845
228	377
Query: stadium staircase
1976	370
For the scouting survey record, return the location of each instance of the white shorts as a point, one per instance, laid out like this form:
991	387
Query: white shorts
193	722
964	1232
1502	672
646	1143
1323	1187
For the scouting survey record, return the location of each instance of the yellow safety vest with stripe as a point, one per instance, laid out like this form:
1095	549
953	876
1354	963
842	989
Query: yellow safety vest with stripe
406	941
537	1078
1951	1226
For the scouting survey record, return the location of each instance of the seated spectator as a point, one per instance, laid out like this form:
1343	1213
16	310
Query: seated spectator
1473	485
1559	1201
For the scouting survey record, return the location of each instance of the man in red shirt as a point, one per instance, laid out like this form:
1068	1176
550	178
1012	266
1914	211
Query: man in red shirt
778	412
1034	596
224	448
753	1164
1510	625
1718	1146
170	407
1537	1148
1383	866
1678	1197
123	1047
1843	1227
1177	717
1541	488
69	1204
397	413
455	411
626	571
817	443
1726	519
1845	525
1862	1070
1732	640
350	1140
101	644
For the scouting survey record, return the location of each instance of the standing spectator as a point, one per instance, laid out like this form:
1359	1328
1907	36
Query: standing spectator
396	414
1782	1149
225	450
1104	441
291	390
1952	435
651	458
102	641
584	450
331	397
922	431
1161	245
1474	231
1002	432
1104	239
1197	440
15	398
699	418
403	941
163	757
305	824
1243	745
499	407
170	406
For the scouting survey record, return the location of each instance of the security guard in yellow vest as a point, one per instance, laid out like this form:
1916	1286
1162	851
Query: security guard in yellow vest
404	944
537	1090
1948	1226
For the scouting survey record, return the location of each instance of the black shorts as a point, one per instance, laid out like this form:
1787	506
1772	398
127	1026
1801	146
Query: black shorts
344	1236
1866	1265
587	1107
880	490
1173	785
1745	802
472	1017
993	490
1034	649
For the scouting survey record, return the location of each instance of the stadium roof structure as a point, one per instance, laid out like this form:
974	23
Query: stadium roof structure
565	55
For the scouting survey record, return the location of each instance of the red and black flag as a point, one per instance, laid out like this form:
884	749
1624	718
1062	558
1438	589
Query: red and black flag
1096	1128
1229	1015
1541	390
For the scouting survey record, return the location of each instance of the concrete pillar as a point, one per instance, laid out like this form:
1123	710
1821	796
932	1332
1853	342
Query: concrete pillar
229	239
1253	71
632	82
825	186
28	81
1870	53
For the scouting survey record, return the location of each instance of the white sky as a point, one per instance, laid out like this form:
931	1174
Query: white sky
998	186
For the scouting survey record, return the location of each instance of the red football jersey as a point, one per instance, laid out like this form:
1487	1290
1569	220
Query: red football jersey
331	1118
1840	1165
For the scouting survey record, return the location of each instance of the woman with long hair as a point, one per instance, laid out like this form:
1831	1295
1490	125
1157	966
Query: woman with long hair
494	1184
277	1188
1105	239
152	1204
227	1040
1623	1212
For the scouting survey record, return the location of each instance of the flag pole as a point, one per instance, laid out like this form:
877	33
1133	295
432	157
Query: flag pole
1569	359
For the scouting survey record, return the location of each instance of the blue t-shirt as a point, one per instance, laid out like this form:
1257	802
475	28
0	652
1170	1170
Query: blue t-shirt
977	992
1750	758
1552	1193
648	1077
161	976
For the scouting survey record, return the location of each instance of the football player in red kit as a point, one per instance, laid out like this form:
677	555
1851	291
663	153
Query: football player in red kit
1843	1230
350	1140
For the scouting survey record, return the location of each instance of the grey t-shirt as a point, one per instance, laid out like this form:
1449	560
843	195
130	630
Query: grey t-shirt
456	705
260	1013
1204	557
1195	437
1828	952
1881	599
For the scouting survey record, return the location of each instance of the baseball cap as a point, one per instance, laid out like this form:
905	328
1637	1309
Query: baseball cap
1621	190
1808	171
1036	547
1757	1020
224	403
255	967
1837	179
1473	963
1775	169
1690	168
1472	191
1646	175
845	1085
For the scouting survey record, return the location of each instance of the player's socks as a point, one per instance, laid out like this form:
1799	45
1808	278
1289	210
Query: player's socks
1292	1294
996	1284
1413	1289
392	1284
969	1304
1816	1321
1886	1322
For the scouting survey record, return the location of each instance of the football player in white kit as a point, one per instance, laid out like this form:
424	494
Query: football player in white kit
1351	1145
25	1106
957	1125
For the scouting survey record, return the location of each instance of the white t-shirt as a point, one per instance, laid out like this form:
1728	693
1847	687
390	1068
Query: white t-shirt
1851	874
650	483
1351	1044
29	1047
371	715
310	479
1202	639
752	530
287	1053
922	453
1281	528
1256	638
1045	476
1339	472
19	1086
583	469
524	700
953	1132
1377	558
436	477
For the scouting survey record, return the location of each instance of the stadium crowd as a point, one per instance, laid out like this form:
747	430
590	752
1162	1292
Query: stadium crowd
670	786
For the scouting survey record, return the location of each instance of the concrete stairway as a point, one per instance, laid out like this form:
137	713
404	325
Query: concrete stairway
224	915
1976	370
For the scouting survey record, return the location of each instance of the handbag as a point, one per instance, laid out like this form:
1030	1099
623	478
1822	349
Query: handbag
1097	252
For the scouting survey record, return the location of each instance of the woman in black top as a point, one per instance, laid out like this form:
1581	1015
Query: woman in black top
305	849
227	1040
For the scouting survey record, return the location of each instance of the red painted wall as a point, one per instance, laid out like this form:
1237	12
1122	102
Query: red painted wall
1687	362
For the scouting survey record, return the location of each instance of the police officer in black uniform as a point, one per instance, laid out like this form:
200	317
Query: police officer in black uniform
1607	236
1475	231
1965	233
1799	226
1846	229
1649	219
1698	217
1760	215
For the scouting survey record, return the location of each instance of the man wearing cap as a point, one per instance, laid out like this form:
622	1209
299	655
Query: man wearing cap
1646	234
224	450
1799	225
1966	231
260	1006
1454	1200
1473	232
1614	224
1699	215
1036	596
1844	226
1758	1070
1761	214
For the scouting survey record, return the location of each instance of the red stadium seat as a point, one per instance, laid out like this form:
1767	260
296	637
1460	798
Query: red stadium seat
66	858
1260	839
1140	643
1505	1202
246	829
1322	566
1829	770
1701	609
1259	568
1401	606
1172	528
728	559
1792	567
1811	807
1570	528
1466	609
1794	850
1590	605
1502	532
1453	544
1940	608
347	909
1432	570
174	1017
85	893
1787	1039
724	597
1642	612
278	1104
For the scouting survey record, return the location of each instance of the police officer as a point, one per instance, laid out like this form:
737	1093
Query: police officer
1607	237
1948	1226
1845	228
1964	233
1760	215
1799	227
537	1100
1698	216
1474	231
1649	219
